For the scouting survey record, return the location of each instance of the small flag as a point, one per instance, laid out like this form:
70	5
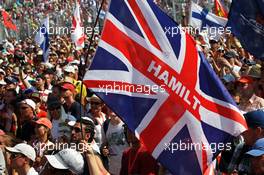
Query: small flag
77	35
202	19
8	23
219	9
42	38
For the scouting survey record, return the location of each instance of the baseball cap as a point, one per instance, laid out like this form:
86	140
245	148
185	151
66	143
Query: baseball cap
24	149
257	149
68	86
53	102
69	68
94	98
69	59
85	120
35	96
44	121
245	79
29	102
67	159
255	71
255	118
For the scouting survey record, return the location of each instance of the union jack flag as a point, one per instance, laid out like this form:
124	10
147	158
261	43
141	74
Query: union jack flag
188	105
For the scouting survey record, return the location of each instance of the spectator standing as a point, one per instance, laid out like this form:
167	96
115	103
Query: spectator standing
22	158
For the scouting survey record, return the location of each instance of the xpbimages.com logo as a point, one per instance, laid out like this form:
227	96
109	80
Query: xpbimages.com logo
65	30
81	147
192	146
119	87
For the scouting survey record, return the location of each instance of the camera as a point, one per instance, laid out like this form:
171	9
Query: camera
20	57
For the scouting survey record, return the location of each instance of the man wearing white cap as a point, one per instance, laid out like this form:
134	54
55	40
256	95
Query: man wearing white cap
65	162
27	119
22	158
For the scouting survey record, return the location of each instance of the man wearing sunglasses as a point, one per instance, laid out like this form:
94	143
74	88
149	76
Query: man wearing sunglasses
22	158
83	136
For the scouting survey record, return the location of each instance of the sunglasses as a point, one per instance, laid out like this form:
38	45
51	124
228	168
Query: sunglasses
77	130
14	156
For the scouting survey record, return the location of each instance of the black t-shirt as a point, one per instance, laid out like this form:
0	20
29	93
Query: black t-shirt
75	109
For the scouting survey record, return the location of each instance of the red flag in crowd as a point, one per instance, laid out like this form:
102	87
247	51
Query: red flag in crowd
8	21
77	34
220	10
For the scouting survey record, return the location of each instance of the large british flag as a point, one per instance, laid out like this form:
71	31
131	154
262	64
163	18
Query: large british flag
188	104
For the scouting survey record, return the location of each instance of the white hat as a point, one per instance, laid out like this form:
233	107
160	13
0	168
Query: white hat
29	102
24	149
47	64
2	71
84	119
2	82
94	98
69	69
74	62
67	159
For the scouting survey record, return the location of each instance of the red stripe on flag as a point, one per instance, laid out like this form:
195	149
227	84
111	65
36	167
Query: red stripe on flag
189	70
223	111
74	23
204	158
143	23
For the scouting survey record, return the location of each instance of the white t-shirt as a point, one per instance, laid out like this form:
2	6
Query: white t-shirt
2	162
117	144
32	171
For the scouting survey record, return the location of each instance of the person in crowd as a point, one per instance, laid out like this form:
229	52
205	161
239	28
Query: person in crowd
133	158
49	78
42	142
71	75
240	163
12	83
84	129
113	137
60	131
83	133
97	116
22	158
249	100
2	158
256	154
26	120
7	114
7	140
71	106
40	105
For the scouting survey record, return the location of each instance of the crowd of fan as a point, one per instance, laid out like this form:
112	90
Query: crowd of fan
51	123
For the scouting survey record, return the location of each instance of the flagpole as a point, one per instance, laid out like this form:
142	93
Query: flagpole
81	74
